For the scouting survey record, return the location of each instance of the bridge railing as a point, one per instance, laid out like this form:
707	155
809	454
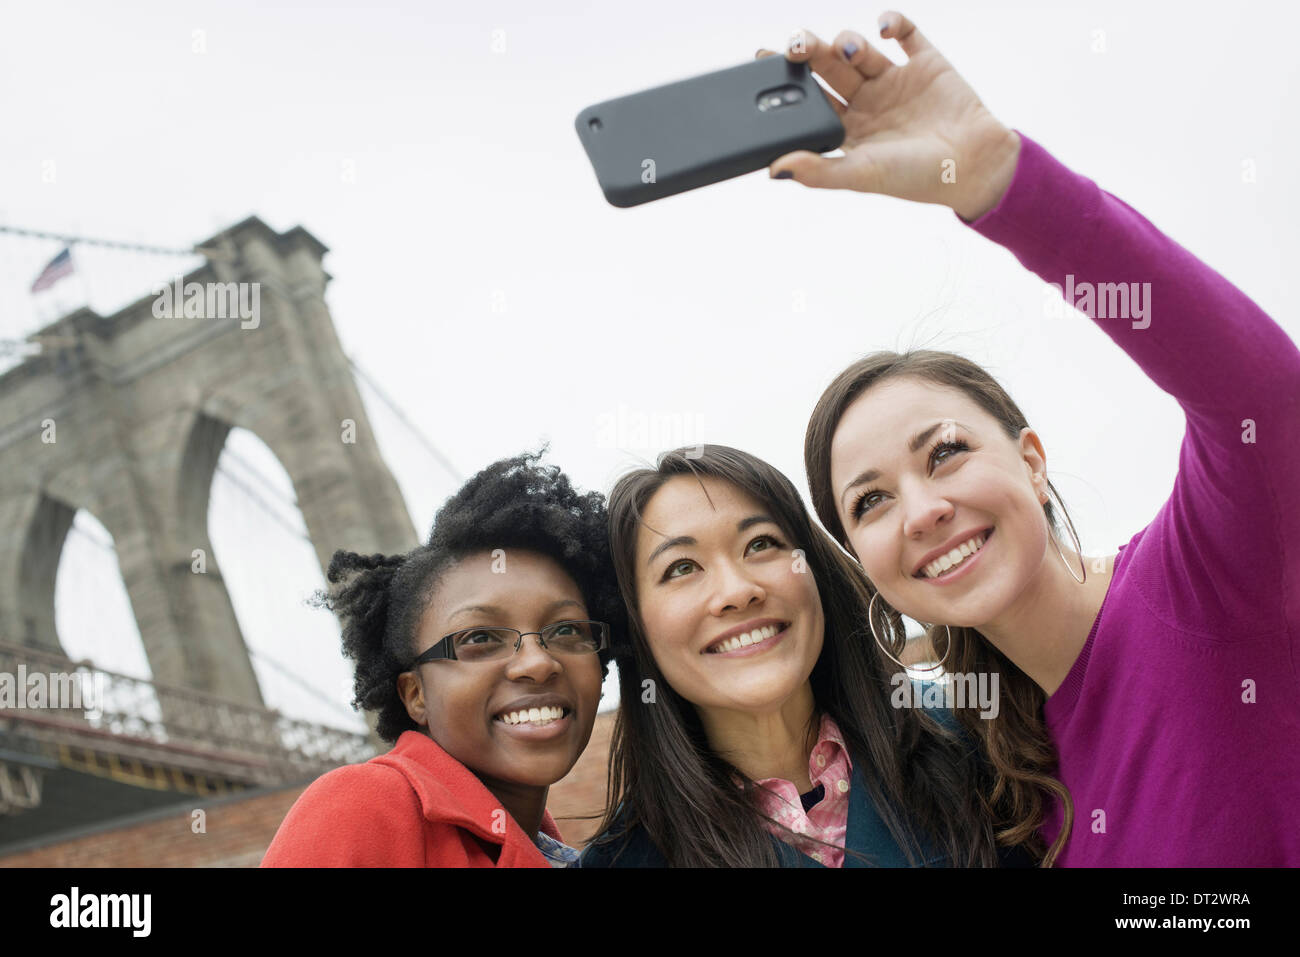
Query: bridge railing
156	721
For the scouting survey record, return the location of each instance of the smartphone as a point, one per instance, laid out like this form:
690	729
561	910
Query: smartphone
694	132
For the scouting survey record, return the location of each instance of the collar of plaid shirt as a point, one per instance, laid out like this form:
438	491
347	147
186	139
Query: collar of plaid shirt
557	853
826	821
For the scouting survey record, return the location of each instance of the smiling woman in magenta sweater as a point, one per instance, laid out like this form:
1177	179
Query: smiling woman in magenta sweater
1166	676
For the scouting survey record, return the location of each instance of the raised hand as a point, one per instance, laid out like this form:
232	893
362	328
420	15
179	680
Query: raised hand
915	131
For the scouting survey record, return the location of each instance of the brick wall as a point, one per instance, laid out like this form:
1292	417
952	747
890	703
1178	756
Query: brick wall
238	833
582	791
239	830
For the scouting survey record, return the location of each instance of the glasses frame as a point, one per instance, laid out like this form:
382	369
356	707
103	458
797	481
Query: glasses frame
444	649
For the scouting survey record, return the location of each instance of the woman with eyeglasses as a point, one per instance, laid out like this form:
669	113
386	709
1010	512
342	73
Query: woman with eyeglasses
758	724
482	653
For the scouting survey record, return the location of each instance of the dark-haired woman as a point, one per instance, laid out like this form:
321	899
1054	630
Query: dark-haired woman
482	653
756	727
1168	677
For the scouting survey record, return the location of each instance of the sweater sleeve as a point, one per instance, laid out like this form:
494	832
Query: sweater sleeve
1226	559
361	815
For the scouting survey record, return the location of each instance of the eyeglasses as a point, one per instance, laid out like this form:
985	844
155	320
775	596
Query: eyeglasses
492	644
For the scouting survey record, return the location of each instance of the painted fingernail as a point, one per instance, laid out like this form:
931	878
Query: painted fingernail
884	26
850	48
784	174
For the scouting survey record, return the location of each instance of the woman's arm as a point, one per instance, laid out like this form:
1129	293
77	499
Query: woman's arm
1234	513
1231	542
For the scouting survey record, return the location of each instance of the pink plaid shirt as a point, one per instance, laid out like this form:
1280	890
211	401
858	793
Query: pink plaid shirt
828	820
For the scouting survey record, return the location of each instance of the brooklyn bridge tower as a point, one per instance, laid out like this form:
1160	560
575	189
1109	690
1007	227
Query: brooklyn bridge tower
125	416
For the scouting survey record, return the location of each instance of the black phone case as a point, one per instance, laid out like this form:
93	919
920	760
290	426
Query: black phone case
703	130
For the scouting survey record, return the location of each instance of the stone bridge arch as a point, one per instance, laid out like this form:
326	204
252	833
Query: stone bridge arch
126	416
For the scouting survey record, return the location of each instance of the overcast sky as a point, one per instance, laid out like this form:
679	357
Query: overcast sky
431	148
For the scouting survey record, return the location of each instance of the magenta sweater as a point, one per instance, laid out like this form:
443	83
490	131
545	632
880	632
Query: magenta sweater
1178	727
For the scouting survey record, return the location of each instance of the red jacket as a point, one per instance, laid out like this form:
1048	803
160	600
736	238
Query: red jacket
415	806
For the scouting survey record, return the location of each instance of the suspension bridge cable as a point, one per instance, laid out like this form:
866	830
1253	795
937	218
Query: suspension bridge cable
267	484
71	240
310	689
414	430
266	506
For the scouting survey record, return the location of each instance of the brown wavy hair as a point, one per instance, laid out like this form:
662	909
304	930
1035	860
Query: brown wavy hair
924	779
1022	754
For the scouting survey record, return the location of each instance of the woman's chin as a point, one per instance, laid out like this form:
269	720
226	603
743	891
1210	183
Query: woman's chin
759	696
964	611
535	773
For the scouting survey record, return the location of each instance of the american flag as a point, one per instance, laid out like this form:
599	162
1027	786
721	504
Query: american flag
60	266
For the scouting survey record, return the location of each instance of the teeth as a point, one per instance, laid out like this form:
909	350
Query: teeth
745	640
532	715
954	557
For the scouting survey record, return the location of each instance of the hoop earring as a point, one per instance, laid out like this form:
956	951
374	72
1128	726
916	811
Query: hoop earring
908	669
1077	548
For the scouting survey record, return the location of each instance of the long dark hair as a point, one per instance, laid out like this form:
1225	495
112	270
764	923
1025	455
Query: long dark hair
1022	754
664	778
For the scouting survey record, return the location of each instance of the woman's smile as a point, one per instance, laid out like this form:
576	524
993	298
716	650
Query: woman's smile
748	640
956	562
535	717
537	724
